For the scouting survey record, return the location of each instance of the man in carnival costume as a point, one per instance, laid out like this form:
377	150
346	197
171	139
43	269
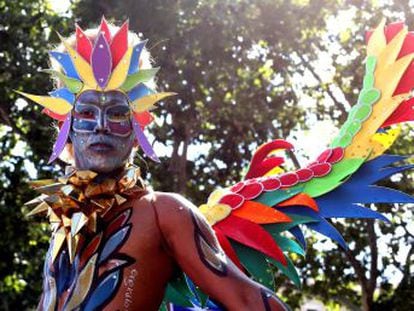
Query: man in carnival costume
118	246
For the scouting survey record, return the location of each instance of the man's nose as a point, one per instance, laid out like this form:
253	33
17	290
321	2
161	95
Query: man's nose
101	127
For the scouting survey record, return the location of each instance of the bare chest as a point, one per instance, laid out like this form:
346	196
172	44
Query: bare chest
124	266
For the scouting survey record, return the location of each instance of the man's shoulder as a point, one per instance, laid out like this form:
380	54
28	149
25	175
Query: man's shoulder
170	207
164	201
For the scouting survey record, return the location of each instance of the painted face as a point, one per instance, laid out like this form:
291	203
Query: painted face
101	132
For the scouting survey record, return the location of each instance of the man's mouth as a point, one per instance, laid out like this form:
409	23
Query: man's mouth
100	146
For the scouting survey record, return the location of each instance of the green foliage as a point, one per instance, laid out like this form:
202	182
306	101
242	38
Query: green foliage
24	28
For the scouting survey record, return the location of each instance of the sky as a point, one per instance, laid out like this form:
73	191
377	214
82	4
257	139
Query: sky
60	6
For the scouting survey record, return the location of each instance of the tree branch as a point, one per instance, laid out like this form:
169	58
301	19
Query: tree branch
374	255
359	270
338	104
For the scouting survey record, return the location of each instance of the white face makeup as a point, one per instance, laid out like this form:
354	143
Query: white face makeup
101	131
115	117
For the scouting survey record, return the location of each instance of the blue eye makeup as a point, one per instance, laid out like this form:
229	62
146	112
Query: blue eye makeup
116	119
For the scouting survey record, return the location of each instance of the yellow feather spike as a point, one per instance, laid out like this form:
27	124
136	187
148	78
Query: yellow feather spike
72	242
388	80
83	284
390	53
120	73
275	171
42	207
83	68
54	104
145	103
362	143
382	141
58	240
377	41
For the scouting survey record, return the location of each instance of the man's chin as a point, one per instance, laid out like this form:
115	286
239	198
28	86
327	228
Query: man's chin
103	167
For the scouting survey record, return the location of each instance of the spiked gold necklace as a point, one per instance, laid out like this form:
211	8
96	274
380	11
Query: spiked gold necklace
76	201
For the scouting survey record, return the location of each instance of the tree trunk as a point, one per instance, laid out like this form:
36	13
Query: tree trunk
182	165
367	299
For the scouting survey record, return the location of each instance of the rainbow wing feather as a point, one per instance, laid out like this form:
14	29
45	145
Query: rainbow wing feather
251	218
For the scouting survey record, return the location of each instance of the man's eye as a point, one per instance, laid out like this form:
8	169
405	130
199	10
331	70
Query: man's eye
86	114
118	116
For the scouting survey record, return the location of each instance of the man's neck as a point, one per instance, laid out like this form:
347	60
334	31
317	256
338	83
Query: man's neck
113	174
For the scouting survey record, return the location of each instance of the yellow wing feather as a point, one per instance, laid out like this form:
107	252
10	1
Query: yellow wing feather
388	73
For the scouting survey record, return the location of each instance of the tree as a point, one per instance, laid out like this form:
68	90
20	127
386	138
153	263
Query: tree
24	28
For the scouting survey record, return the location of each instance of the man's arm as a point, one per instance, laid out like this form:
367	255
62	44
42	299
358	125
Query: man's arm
198	253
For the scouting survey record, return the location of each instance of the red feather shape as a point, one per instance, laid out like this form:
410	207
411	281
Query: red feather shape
118	222
289	179
228	249
260	165
59	117
119	44
337	155
300	199
251	191
233	200
324	156
143	118
271	184
83	44
404	112
237	187
407	46
103	28
251	235
90	249
304	174
390	31
407	80
320	169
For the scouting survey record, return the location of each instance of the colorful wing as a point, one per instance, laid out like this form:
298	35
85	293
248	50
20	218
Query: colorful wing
255	218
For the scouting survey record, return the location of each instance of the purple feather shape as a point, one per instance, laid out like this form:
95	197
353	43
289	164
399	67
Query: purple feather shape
61	139
101	61
143	141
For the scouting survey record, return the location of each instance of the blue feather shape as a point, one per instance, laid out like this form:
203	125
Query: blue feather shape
326	229
103	292
342	201
347	210
136	53
322	226
387	195
191	285
114	242
384	160
139	91
65	94
66	62
63	273
298	234
373	171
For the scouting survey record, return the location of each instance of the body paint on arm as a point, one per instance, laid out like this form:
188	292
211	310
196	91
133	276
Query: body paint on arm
211	255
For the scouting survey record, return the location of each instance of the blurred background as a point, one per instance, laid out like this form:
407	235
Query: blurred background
246	71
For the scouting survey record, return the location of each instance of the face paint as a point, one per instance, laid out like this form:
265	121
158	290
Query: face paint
101	132
112	115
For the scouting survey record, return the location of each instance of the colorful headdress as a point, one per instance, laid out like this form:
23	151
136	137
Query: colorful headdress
109	62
